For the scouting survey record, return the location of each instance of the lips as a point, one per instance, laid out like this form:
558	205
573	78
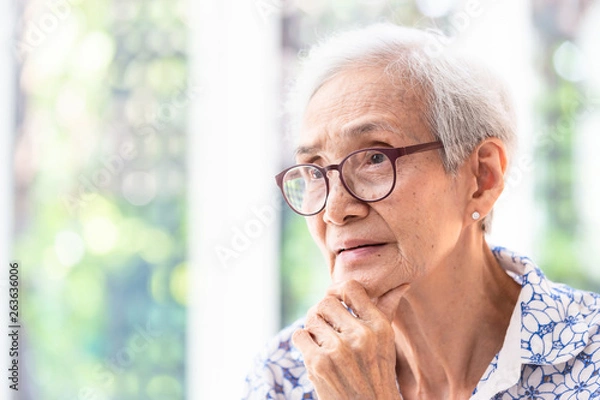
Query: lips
356	244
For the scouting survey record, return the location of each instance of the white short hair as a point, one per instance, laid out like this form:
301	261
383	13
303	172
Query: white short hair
464	102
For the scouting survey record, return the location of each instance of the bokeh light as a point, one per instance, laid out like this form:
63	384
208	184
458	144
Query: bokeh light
569	62
100	234
435	8
139	188
69	248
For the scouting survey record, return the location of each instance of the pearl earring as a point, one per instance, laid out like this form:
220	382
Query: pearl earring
475	215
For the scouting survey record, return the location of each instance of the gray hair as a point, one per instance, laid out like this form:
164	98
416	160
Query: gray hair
464	102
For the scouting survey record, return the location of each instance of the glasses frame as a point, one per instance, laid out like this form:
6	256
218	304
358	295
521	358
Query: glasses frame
391	153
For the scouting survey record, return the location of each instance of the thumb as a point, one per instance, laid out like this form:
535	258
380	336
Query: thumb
388	303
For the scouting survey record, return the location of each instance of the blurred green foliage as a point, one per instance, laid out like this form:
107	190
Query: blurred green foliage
304	274
101	211
560	105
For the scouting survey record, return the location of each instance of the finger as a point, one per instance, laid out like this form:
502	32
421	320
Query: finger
350	294
322	371
335	313
320	331
355	296
302	339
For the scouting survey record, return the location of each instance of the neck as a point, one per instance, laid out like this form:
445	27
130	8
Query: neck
451	324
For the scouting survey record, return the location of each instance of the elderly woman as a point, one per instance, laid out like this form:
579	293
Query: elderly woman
402	154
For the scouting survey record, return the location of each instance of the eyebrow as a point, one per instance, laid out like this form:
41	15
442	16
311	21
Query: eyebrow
351	131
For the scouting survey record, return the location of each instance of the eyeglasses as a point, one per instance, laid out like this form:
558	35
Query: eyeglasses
369	175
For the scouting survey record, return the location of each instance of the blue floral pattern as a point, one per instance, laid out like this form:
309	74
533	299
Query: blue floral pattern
279	371
551	348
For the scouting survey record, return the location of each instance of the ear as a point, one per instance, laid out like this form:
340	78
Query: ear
487	165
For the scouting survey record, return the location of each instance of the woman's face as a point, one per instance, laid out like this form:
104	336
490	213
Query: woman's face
408	234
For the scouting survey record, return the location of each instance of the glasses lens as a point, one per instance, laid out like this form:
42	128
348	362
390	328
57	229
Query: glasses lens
369	174
305	189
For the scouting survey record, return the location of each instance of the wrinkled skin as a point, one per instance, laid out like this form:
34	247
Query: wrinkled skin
401	264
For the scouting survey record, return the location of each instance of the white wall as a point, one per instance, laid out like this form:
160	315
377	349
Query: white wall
587	146
233	231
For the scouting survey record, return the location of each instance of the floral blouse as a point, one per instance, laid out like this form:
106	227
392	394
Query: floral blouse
550	350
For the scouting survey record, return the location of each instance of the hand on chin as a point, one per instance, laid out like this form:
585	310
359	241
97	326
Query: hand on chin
351	355
376	286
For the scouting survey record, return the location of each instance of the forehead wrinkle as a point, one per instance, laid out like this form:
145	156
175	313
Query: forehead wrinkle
352	130
348	107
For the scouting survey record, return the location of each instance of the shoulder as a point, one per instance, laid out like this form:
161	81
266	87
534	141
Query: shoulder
576	378
278	371
547	303
559	335
561	343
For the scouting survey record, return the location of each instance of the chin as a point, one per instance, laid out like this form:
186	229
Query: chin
375	285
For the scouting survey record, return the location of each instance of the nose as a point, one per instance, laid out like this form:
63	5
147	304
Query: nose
340	206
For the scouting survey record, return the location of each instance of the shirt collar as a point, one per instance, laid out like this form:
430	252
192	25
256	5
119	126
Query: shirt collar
554	325
550	325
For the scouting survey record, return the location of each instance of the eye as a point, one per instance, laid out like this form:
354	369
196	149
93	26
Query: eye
315	174
377	158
